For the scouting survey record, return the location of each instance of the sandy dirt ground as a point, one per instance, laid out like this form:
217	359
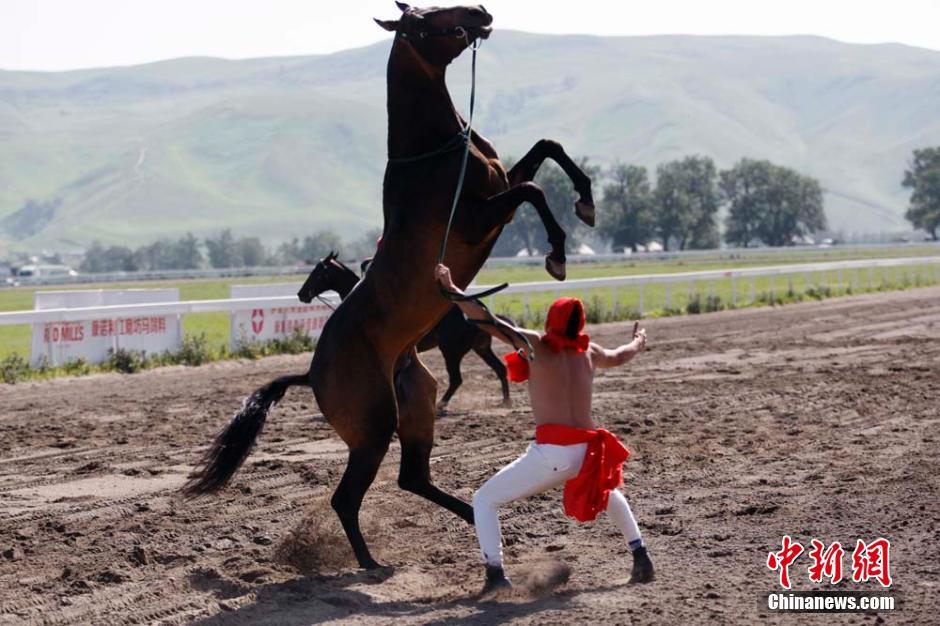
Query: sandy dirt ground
815	420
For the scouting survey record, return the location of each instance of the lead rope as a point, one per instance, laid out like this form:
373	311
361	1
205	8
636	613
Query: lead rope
326	302
466	133
526	352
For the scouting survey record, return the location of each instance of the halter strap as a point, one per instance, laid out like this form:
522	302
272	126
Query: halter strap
454	31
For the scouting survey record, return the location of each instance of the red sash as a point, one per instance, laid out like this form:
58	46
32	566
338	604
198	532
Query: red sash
587	493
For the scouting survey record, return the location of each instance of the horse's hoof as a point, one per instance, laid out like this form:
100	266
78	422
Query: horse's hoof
585	212
442	408
506	404
555	269
368	563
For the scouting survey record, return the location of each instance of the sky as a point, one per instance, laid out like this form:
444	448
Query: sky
69	34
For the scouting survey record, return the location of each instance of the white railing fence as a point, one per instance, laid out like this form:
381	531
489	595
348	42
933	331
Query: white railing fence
737	285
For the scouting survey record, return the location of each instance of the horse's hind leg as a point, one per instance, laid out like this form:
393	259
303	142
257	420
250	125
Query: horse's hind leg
361	468
362	410
453	355
526	168
416	393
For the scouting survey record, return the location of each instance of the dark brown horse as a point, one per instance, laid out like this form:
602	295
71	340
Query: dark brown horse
454	336
373	332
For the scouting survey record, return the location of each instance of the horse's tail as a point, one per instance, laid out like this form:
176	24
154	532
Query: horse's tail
232	445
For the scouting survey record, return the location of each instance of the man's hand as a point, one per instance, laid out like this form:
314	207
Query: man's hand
639	337
442	275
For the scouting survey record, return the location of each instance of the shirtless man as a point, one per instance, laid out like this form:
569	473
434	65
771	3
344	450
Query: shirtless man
569	448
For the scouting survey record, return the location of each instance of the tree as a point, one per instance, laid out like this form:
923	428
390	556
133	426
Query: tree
795	209
626	209
112	259
770	203
746	189
364	246
288	253
686	203
155	256
319	245
923	177
223	252
186	253
251	251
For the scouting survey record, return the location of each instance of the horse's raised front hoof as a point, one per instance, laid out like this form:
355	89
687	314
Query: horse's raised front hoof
585	212
555	268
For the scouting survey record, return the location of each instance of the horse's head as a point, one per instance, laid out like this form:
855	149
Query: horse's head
327	275
440	35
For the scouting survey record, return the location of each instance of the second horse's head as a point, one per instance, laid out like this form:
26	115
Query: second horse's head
322	278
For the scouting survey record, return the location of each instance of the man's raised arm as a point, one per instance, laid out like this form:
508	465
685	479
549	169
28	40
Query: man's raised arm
603	358
498	328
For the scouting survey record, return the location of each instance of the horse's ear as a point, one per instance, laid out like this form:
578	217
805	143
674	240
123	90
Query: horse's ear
401	5
389	25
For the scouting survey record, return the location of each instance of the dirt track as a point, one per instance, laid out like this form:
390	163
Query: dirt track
815	420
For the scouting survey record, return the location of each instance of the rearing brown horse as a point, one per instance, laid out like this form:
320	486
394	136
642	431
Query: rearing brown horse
373	332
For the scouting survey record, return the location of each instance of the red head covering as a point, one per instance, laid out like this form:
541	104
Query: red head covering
563	327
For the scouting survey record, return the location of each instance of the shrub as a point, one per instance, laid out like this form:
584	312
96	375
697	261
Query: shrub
252	350
194	351
126	361
818	292
14	368
710	304
295	343
76	367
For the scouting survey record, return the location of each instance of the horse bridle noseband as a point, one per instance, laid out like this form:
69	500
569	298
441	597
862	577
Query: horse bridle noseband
454	31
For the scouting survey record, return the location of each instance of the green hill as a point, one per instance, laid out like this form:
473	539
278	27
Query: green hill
282	146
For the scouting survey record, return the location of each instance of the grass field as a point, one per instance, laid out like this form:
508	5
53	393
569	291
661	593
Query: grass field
603	304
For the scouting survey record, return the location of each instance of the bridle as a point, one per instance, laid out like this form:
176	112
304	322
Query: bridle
454	31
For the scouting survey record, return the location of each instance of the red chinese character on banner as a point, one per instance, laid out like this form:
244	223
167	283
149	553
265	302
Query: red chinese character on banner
826	563
782	560
872	561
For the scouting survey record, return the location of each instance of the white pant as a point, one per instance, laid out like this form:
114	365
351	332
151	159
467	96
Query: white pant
542	467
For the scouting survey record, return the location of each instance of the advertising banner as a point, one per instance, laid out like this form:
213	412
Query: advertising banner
271	323
60	342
